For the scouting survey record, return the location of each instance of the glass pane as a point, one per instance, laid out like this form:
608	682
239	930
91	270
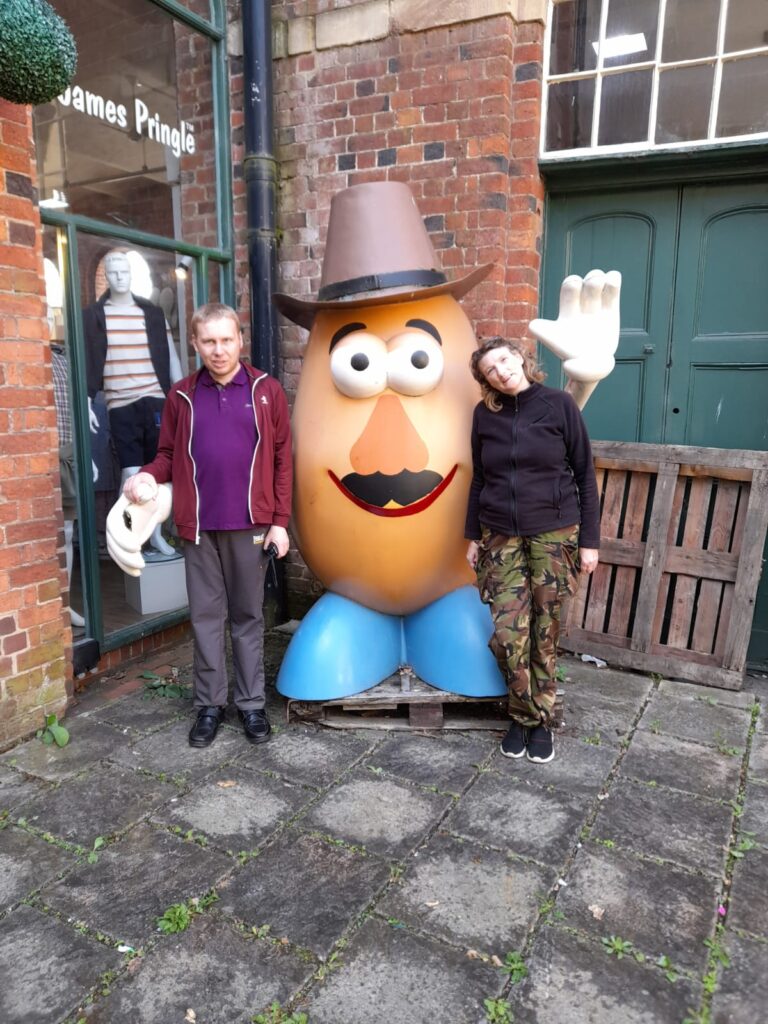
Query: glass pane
201	7
746	26
575	30
630	32
130	298
569	114
624	106
132	139
690	29
743	107
685	95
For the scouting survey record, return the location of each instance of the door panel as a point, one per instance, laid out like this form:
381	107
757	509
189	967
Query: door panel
692	362
635	234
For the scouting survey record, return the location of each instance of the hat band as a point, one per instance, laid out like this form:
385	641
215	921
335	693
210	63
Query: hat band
378	282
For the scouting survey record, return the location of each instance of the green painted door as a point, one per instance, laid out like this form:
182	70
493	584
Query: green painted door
692	362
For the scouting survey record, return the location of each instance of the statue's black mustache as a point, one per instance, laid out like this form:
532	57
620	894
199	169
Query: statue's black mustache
404	487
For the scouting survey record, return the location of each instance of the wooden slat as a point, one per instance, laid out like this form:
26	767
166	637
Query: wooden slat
609	525
654	583
649	457
750	567
711	591
726	605
631	537
683	605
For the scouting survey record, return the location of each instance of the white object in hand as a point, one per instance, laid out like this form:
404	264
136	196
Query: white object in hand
130	525
586	333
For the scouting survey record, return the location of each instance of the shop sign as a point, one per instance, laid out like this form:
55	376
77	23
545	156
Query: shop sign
179	139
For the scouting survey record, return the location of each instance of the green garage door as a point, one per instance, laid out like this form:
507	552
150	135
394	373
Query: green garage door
692	364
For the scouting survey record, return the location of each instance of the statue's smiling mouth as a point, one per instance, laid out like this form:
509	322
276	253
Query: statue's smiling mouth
410	492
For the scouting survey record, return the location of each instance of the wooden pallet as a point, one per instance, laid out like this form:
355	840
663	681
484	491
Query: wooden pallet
683	530
403	701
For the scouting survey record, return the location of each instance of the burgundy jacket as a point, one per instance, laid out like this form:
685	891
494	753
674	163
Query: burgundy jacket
271	471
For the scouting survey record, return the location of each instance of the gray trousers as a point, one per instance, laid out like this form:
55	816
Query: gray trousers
225	580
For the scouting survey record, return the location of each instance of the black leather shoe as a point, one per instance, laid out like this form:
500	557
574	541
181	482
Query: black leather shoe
203	732
255	725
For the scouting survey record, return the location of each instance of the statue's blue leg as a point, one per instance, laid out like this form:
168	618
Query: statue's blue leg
339	649
446	643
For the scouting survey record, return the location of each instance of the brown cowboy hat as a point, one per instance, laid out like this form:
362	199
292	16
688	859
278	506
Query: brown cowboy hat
377	252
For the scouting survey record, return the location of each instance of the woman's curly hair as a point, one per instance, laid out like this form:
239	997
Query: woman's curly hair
490	395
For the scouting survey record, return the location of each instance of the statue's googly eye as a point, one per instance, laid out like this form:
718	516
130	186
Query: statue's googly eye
415	363
359	365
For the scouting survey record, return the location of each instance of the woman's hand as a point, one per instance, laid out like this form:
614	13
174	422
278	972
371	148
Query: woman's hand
472	551
588	559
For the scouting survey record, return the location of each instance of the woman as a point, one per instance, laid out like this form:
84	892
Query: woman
533	521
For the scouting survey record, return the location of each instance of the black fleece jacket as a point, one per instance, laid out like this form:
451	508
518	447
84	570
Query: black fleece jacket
532	468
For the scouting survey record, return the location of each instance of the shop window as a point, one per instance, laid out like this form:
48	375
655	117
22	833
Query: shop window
627	75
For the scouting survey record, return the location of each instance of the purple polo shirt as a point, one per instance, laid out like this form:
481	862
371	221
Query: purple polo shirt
223	440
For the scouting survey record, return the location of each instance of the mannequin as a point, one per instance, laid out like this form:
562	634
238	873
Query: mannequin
131	356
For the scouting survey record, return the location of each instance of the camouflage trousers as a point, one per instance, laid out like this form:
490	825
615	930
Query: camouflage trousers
524	581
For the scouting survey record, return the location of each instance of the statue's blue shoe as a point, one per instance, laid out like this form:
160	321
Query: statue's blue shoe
446	644
339	649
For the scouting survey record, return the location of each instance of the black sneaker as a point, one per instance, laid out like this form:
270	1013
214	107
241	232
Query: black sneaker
255	725
513	744
541	745
203	732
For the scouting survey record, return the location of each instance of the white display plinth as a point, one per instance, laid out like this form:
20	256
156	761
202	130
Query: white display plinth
162	586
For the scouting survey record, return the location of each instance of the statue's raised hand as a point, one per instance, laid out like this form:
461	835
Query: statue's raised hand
586	333
131	523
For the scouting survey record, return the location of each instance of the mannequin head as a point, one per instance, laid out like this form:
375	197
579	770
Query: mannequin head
117	270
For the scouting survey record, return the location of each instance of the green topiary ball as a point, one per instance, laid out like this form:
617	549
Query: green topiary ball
38	55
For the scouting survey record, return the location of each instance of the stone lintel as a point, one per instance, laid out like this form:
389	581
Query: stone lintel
361	23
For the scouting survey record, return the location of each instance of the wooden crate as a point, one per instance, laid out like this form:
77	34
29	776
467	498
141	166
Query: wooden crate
383	705
683	530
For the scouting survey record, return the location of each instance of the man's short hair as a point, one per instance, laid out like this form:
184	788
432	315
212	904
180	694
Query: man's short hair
213	311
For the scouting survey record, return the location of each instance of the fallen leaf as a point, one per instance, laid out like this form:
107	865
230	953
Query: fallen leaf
596	911
190	1016
432	903
473	954
226	784
496	961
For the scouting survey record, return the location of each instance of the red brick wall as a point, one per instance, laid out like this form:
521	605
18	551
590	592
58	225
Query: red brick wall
452	111
33	630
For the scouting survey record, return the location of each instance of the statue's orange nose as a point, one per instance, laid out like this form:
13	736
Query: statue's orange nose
390	443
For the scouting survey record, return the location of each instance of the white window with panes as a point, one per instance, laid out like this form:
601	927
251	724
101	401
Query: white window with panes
637	75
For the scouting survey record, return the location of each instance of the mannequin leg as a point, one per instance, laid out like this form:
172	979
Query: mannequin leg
156	541
69	526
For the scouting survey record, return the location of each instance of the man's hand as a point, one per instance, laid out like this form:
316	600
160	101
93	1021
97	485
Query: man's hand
473	549
588	559
140	488
586	333
278	535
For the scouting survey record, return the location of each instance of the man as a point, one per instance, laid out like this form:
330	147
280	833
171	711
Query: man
225	444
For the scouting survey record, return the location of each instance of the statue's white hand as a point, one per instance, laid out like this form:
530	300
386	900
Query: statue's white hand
586	333
130	525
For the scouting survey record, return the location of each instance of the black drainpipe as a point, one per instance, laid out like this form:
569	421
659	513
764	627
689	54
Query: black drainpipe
260	170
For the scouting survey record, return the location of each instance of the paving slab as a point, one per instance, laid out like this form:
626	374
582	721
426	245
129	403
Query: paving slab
522	819
26	863
469	896
167	752
135	881
708	694
385	816
578	767
46	967
571	979
748	907
307	755
143	714
662	910
89	741
586	716
758	759
678	827
389	976
742	993
681	764
447	762
334	886
237	809
692	719
16	789
605	684
755	817
223	976
102	801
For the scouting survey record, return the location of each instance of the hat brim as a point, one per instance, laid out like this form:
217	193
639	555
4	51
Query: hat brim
303	311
